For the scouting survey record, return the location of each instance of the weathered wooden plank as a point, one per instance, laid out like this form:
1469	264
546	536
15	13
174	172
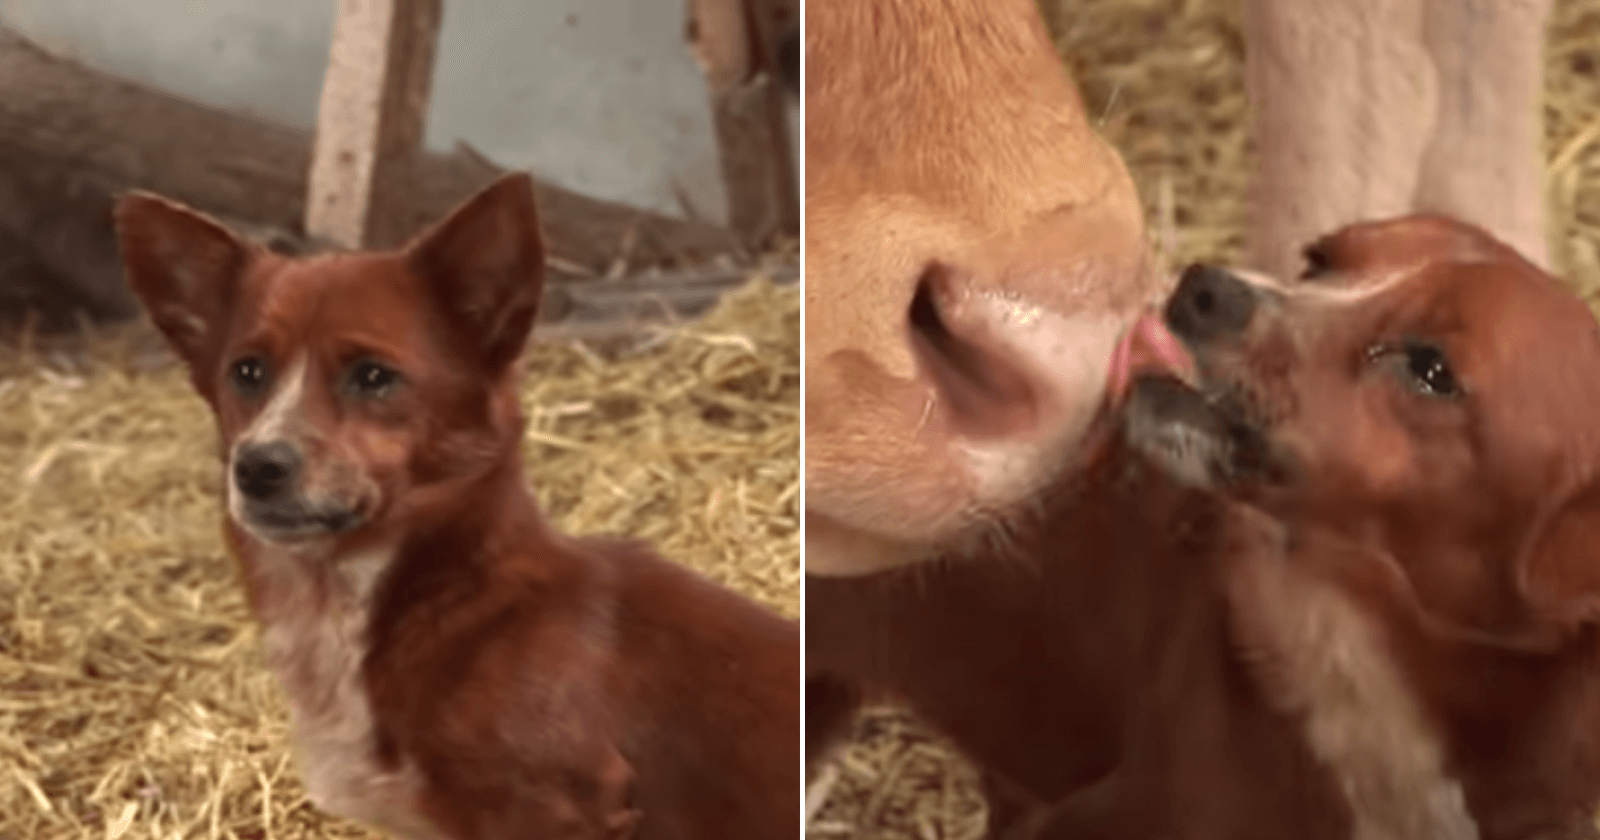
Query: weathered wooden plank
370	121
239	166
669	296
739	45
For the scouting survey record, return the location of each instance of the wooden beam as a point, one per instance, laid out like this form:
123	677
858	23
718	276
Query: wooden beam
738	45
370	121
72	138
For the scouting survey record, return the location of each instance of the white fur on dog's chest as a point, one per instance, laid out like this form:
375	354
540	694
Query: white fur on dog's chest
315	641
1321	657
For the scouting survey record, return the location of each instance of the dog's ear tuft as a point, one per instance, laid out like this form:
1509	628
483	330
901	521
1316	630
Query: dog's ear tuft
184	267
485	265
1558	571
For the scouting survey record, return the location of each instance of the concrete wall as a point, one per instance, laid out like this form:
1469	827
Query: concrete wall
597	95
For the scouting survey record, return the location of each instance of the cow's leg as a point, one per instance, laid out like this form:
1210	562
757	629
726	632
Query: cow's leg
1344	97
1484	162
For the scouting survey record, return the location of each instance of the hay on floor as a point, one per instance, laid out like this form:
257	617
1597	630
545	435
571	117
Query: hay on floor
133	702
1164	80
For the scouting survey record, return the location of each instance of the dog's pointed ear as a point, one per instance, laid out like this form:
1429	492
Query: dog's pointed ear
485	266
1558	571
185	268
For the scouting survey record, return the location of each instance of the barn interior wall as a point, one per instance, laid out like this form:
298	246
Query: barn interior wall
602	98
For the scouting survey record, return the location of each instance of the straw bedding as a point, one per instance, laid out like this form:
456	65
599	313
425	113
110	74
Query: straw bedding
132	698
1164	78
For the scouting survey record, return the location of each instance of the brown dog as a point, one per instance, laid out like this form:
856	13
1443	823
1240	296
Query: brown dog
455	668
1367	606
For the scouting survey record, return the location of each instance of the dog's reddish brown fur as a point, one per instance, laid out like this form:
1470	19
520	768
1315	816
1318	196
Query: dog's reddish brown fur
1375	614
456	668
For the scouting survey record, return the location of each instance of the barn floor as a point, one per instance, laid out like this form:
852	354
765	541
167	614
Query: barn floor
1164	78
133	702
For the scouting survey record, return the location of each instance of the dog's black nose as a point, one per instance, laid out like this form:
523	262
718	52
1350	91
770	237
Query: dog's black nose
265	470
1209	303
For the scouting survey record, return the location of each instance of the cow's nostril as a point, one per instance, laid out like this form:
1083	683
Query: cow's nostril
924	314
928	324
981	390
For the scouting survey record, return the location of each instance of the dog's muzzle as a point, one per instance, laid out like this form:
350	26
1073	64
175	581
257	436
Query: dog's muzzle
271	501
1200	435
263	472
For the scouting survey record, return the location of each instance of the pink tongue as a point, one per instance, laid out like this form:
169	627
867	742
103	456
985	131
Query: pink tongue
1147	347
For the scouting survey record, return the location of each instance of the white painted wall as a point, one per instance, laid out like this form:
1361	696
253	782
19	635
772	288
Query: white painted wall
600	96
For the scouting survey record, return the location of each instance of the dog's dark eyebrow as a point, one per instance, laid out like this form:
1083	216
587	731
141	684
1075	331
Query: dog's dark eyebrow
262	338
355	345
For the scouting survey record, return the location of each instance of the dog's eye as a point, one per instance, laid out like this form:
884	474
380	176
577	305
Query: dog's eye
1430	372
249	375
370	379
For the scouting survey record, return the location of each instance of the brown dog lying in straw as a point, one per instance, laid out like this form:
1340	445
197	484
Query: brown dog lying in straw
1370	606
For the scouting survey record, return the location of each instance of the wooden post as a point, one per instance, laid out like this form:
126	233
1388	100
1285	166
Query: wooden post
736	43
370	121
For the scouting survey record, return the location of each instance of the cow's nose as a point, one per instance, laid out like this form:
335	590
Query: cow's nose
1209	303
263	471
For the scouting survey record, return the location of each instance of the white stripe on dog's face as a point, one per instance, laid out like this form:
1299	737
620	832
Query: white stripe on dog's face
271	424
277	417
1256	278
1326	292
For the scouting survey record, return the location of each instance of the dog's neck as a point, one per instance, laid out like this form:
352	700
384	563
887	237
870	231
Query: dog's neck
317	604
1435	702
1540	691
314	609
315	600
1319	656
1314	654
